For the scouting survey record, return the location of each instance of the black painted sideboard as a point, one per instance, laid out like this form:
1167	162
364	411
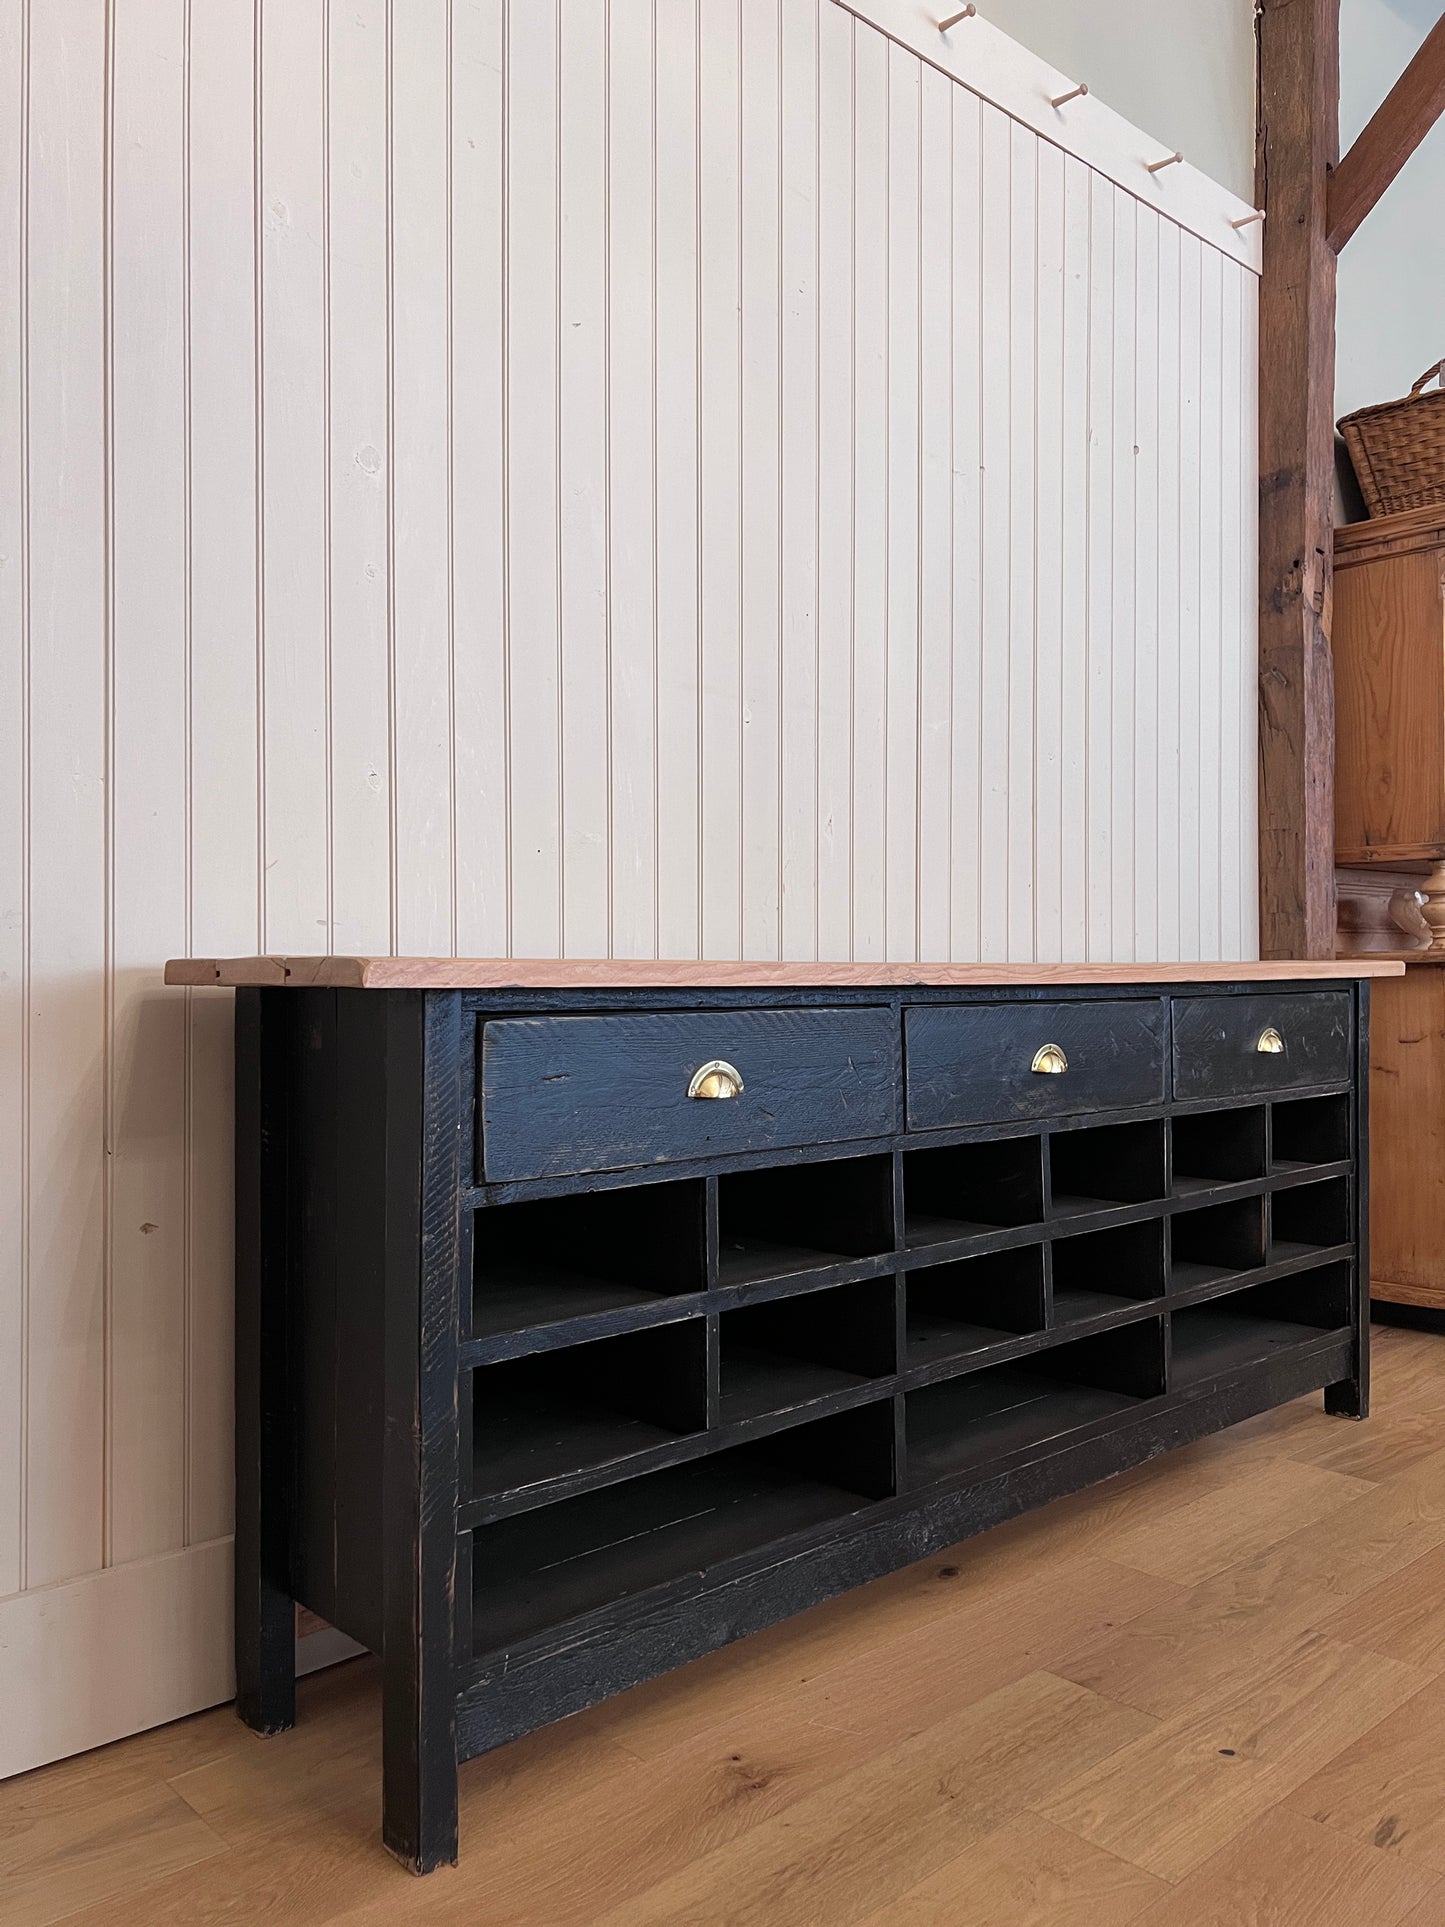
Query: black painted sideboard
592	1316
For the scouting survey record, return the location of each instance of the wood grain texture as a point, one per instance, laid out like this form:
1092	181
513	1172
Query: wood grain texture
1171	1798
1400	1617
844	1847
716	1784
1388	139
1389	653
1379	1791
1407	1121
1028	1873
576	973
1359	542
153	1828
1286	1579
1380	911
1287	1868
1296	144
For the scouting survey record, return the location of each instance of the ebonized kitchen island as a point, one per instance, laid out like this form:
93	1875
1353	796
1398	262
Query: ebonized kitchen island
592	1315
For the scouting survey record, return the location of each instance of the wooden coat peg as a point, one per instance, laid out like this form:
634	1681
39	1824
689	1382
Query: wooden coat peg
964	13
1169	160
1248	220
1074	93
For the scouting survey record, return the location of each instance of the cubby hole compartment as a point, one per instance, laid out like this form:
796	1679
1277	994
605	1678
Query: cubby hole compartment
1105	1164
1312	1130
1257	1323
1309	1217
565	1412
774	1223
960	1190
791	1350
1212	1148
1104	1271
535	1571
964	1422
967	1306
558	1258
1215	1242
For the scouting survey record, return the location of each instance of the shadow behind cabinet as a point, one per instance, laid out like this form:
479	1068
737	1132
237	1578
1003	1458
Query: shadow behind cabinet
1389	652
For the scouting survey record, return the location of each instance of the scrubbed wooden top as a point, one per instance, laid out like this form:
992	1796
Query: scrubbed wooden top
618	973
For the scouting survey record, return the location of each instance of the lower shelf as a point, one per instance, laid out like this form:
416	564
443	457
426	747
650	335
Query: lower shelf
755	1382
1071	1307
525	1440
529	1300
966	1421
615	1592
1209	1340
1259	1323
541	1569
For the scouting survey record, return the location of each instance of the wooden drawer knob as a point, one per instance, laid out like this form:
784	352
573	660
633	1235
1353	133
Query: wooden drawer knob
1050	1061
715	1079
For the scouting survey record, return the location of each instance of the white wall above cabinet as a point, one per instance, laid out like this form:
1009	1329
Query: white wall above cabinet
684	478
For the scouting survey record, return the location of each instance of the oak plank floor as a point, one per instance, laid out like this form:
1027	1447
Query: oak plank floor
1208	1694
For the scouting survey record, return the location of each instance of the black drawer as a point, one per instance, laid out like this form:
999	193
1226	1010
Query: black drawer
975	1063
1247	1046
568	1094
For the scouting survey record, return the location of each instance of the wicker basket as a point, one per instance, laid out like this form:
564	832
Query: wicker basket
1398	449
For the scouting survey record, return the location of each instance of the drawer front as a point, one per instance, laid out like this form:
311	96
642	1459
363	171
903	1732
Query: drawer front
974	1063
561	1095
1217	1043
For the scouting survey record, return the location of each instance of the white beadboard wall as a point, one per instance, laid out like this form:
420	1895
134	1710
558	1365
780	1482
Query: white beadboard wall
681	477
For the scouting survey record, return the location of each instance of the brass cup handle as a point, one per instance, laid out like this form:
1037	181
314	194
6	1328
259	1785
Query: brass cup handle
1270	1042
1050	1061
715	1079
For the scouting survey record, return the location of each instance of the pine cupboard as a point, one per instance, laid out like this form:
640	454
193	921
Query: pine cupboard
1389	653
1388	642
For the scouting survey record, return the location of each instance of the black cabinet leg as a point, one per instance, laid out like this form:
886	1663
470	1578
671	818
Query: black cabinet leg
265	1612
1350	1398
419	1473
419	1766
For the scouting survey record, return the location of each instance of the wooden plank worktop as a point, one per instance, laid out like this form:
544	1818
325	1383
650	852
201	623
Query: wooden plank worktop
621	973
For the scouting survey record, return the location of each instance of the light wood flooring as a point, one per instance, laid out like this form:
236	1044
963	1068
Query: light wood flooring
1211	1691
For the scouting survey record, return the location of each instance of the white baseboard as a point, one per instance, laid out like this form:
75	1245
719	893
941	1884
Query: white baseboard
112	1653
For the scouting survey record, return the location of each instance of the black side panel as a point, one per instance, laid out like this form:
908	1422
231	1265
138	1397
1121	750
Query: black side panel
314	1215
265	1448
360	1311
338	1211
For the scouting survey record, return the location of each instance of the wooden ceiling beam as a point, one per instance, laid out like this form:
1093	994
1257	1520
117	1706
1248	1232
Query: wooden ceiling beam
1296	145
1396	128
